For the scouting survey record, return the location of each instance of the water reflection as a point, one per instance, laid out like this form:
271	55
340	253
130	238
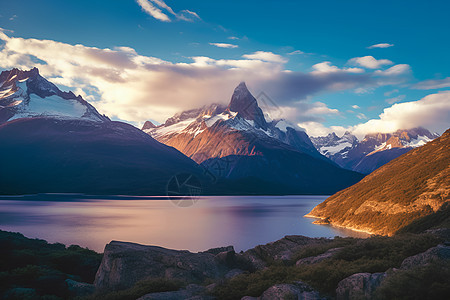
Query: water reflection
93	221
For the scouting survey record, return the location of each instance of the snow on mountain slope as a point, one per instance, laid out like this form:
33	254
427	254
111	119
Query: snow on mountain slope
236	145
374	150
218	131
332	144
26	94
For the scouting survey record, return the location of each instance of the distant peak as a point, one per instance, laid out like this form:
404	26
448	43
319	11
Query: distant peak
148	125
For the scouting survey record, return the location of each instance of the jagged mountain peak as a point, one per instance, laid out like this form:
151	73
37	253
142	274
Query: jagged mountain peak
18	74
243	103
148	125
26	94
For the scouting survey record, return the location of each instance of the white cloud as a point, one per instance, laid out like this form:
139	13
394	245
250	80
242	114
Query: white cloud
396	99
187	15
327	67
397	70
153	11
313	128
370	62
361	90
320	108
233	38
355	106
133	87
381	45
224	45
431	112
153	8
433	84
361	116
296	52
265	56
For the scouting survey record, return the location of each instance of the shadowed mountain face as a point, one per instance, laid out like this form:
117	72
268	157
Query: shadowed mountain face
374	150
237	144
412	186
53	141
43	155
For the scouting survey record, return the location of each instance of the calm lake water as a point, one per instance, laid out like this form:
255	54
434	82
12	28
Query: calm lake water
92	221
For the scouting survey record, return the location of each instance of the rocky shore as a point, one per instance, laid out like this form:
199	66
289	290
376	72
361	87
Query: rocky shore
208	274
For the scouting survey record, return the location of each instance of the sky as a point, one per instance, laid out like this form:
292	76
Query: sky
358	65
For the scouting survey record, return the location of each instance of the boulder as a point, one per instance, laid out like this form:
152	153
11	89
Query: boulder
281	250
297	290
440	252
191	292
316	259
124	264
79	289
359	286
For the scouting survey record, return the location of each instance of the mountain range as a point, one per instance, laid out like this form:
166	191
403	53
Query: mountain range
55	141
237	143
408	188
374	150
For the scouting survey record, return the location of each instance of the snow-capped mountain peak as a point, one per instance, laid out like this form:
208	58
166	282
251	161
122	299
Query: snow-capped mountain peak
26	94
231	130
243	103
331	144
374	150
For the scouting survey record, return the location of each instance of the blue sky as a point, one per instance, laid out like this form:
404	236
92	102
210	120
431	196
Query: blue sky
303	54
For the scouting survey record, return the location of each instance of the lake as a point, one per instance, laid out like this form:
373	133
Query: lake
207	222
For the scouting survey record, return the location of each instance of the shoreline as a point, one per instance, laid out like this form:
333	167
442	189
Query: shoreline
370	233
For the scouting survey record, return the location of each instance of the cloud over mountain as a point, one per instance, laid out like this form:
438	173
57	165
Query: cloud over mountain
128	86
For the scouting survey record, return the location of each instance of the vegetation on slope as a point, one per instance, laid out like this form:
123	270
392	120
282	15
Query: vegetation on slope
36	269
375	254
408	188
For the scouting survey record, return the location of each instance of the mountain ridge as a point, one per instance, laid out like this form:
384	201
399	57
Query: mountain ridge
407	188
374	150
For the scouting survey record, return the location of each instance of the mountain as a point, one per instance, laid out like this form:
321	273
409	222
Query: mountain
54	141
219	131
26	94
373	151
410	187
237	143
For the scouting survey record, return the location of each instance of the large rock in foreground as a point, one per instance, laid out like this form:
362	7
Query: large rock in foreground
124	264
359	286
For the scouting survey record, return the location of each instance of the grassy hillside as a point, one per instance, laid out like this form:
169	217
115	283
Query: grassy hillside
410	187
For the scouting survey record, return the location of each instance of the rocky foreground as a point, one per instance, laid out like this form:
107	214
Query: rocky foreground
295	267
